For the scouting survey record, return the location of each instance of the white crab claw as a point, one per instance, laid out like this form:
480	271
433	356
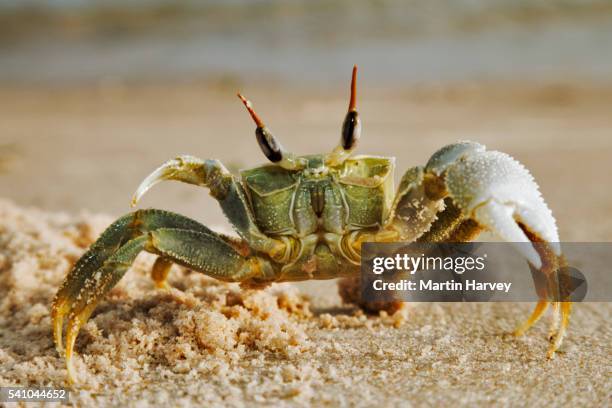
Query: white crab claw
499	219
499	192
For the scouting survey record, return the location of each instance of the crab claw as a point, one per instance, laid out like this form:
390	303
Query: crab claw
499	193
183	168
501	196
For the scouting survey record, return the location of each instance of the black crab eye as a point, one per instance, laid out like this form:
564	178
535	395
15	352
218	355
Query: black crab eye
351	130
270	148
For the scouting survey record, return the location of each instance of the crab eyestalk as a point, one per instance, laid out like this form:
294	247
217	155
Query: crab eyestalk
351	128
270	147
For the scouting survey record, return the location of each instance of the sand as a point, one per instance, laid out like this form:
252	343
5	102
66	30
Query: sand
208	343
205	342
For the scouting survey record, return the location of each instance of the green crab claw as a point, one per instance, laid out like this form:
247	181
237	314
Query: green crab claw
183	168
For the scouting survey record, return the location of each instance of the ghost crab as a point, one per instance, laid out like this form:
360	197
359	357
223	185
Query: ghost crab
305	217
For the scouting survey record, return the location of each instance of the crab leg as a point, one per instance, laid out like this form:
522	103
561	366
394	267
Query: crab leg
116	235
538	312
93	287
160	271
556	339
175	238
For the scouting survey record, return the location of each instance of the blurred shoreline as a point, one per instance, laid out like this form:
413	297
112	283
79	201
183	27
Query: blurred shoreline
314	43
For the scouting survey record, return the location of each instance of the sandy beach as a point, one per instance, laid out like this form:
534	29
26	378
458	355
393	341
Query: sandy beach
70	159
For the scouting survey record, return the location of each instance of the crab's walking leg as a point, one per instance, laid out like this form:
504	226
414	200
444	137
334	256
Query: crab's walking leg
539	310
160	271
557	338
549	292
94	287
116	235
175	238
464	189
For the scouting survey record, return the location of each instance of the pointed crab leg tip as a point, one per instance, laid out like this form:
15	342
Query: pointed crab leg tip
58	336
142	189
57	320
69	364
71	378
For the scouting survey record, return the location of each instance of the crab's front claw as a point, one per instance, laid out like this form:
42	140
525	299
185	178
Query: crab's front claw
499	193
187	169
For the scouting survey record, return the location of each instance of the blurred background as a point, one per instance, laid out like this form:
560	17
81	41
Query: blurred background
95	94
395	41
